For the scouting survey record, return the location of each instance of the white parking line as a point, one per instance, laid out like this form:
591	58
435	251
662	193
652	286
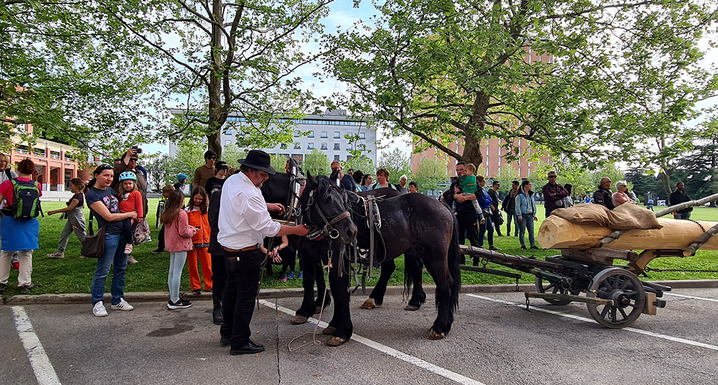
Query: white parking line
692	297
456	377
571	316
40	362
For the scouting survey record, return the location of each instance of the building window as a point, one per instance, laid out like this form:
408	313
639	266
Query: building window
296	133
336	135
311	134
283	146
336	146
227	142
297	146
55	154
336	157
39	151
22	149
349	147
310	145
298	157
324	146
362	135
324	134
349	157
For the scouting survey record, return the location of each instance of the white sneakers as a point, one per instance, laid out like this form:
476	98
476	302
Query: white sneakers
99	309
123	305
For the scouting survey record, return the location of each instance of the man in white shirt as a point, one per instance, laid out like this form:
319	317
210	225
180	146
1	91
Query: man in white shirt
243	223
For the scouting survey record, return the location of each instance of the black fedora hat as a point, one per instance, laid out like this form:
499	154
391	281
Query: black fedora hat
258	160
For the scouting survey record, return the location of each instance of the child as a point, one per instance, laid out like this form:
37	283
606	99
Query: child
467	183
75	218
198	218
165	194
287	255
130	200
178	241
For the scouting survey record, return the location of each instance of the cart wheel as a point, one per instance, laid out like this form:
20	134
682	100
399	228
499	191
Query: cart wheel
626	291
552	288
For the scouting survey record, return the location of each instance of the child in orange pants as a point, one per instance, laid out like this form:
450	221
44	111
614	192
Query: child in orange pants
197	214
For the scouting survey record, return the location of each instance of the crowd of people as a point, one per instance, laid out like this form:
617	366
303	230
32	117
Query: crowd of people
224	225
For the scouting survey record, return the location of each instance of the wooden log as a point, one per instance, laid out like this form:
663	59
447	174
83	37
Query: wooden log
558	233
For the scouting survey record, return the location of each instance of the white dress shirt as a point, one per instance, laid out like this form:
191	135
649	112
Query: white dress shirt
243	217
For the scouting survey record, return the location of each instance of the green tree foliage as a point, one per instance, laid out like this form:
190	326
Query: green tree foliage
188	157
431	173
158	170
506	175
590	79
316	163
397	162
235	58
76	76
361	163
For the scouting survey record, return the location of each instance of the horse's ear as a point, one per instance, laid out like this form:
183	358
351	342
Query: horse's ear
335	175
310	179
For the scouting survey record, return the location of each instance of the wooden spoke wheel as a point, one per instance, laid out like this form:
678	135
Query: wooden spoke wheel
626	291
552	288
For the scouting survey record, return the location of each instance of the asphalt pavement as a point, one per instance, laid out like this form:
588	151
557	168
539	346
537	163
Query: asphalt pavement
494	340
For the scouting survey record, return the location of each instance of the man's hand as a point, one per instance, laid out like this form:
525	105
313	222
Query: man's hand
460	197
302	230
278	207
520	219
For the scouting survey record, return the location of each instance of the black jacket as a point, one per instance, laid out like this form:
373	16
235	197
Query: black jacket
603	196
213	217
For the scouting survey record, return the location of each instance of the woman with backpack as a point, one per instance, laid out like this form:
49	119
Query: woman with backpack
20	227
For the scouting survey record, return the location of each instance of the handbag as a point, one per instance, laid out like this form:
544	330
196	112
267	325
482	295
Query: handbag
141	232
94	245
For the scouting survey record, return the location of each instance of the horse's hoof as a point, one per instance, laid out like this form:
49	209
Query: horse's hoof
336	341
329	330
369	304
436	336
298	319
411	308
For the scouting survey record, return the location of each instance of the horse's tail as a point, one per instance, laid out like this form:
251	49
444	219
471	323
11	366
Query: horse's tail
454	260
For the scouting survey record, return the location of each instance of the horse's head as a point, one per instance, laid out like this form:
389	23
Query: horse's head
324	206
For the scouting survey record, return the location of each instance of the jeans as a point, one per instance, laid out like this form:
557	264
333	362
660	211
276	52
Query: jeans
113	256
487	226
511	215
174	277
527	222
243	270
686	215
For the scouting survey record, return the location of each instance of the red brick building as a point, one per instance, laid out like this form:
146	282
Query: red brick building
52	159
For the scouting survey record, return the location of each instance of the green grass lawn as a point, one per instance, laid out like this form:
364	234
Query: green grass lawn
73	274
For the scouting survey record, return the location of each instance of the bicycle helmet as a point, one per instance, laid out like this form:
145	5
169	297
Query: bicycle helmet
128	175
181	176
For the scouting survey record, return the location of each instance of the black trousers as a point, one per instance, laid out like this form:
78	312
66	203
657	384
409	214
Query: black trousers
161	239
467	227
219	278
243	270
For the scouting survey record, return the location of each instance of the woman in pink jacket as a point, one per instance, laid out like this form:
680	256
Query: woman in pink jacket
178	240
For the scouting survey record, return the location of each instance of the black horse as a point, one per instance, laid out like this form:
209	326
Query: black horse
415	225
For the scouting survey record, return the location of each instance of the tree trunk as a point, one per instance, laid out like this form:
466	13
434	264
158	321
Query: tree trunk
472	141
216	115
666	179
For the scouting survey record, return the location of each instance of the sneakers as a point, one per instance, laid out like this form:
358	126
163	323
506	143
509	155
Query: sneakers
99	310
24	289
123	305
283	277
131	259
301	274
535	247
196	291
290	275
180	304
492	247
128	249
158	251
523	247
56	255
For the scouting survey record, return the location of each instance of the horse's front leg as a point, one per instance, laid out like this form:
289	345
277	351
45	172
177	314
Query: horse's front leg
340	327
376	298
308	308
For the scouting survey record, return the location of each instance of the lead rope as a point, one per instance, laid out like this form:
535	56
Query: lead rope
314	340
